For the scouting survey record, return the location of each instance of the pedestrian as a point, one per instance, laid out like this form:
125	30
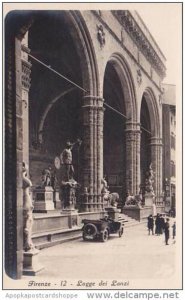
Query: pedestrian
150	224
161	224
174	230
157	225
167	231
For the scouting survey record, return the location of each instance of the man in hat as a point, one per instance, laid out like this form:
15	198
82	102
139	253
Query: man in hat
167	231
150	224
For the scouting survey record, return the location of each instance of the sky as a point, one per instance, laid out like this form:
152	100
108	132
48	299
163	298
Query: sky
164	22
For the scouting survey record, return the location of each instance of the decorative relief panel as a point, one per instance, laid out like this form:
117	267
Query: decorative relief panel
26	71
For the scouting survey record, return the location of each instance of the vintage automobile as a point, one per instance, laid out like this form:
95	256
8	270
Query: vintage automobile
100	229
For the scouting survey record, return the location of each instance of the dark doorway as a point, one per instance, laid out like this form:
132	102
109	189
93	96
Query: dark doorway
114	133
145	157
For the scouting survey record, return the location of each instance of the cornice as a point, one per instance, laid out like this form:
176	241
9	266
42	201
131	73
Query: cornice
128	22
125	49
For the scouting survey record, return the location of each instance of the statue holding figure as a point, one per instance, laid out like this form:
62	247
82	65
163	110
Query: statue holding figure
68	183
149	180
27	210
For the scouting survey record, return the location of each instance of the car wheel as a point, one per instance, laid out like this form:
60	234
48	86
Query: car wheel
104	235
89	231
84	237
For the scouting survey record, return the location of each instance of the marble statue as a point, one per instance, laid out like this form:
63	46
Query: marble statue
46	177
149	180
27	210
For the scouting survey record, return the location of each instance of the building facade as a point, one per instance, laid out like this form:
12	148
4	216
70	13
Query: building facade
169	145
115	106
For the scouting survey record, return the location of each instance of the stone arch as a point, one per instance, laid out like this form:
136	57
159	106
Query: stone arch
121	170
152	142
153	111
124	73
17	25
85	49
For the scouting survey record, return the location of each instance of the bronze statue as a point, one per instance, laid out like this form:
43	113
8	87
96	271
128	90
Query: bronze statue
68	183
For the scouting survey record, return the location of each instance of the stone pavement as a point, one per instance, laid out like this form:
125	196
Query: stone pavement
136	257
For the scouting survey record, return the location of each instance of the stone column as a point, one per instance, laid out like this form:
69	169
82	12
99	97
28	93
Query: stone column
93	151
88	144
13	158
133	134
26	71
95	196
138	160
156	159
100	118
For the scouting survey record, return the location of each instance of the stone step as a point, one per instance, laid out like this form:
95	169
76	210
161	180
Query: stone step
50	238
128	221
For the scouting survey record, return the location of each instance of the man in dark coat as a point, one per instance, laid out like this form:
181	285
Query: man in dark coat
161	225
167	231
157	225
150	224
174	230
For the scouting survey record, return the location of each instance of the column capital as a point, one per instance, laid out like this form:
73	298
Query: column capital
156	141
132	126
93	97
93	100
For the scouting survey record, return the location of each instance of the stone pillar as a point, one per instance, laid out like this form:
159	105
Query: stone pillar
156	160
138	160
26	71
133	135
88	173
100	118
93	151
13	157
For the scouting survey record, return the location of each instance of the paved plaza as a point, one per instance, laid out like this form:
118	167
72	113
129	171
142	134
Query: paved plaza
135	260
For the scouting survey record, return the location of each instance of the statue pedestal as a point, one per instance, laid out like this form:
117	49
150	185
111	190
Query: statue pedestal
69	198
31	265
73	217
149	199
57	201
44	199
113	212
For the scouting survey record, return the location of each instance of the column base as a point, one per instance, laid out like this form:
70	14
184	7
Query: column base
149	199
113	213
31	265
73	217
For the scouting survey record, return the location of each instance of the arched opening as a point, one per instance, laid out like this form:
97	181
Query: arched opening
59	39
114	132
145	156
119	93
150	140
55	113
